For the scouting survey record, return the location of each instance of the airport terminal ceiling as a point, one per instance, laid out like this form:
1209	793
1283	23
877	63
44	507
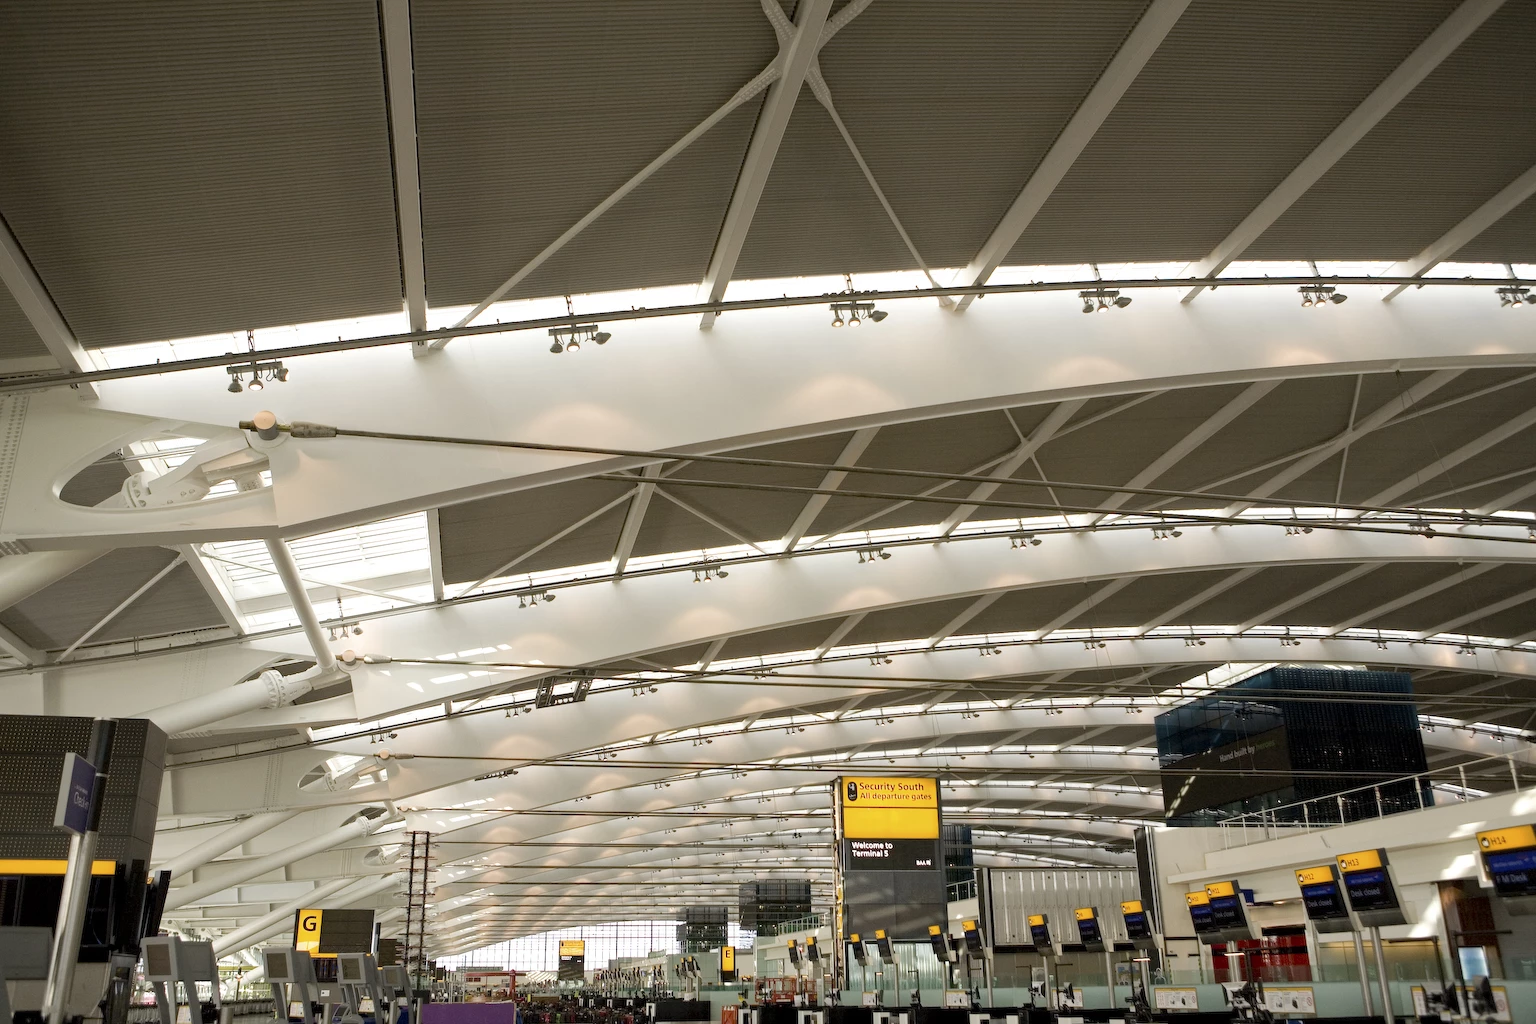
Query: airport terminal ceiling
582	439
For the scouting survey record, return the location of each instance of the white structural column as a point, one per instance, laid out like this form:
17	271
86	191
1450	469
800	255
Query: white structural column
850	454
1053	422
232	942
216	846
244	871
1440	44
271	689
293	583
795	58
1214	423
1122	70
395	15
39	308
1478	221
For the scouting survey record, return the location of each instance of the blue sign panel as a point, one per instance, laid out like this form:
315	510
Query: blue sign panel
1513	872
76	785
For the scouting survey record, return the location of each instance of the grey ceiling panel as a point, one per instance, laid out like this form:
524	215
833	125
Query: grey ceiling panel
95	483
952	104
55	617
1235	98
913	622
1386	583
478	536
531	114
803	637
174	168
1449	146
1510	240
1499	584
1263	591
1147	599
17	338
817	214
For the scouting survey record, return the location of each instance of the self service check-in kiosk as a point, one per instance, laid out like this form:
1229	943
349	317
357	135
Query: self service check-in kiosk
170	961
358	975
291	974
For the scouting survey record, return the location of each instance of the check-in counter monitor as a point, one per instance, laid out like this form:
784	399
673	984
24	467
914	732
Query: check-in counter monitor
883	946
939	941
1042	937
1138	924
1322	895
1088	931
1509	859
1368	885
856	946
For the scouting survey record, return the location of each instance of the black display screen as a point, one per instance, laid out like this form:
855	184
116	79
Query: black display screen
1137	926
1227	774
1324	902
1227	912
1040	935
1513	872
1088	931
346	931
1370	890
890	854
1200	916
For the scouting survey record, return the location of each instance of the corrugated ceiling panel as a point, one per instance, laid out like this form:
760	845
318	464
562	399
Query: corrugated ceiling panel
910	623
803	637
176	168
1511	240
952	104
1457	139
1263	591
1462	599
1146	599
478	536
94	483
531	114
17	338
58	615
1236	96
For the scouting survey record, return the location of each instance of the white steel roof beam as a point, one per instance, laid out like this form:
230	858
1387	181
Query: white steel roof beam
1208	428
399	74
1427	56
796	55
1139	46
634	518
1049	427
831	481
1478	221
216	586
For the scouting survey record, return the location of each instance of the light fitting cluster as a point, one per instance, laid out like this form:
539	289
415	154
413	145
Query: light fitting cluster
855	313
989	650
1097	300
1297	531
880	659
709	571
344	630
569	339
535	598
1166	532
1319	295
1514	296
869	554
1023	540
259	373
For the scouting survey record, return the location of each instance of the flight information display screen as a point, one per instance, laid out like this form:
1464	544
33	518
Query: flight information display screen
1137	926
1040	935
1088	931
1324	901
1227	912
1513	872
1200	916
1370	890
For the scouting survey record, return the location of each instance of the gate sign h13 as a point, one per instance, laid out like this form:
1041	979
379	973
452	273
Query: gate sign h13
77	783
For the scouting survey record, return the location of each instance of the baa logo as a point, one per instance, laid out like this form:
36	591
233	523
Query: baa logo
853	791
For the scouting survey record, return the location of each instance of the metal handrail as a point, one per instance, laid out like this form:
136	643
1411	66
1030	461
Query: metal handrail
1269	819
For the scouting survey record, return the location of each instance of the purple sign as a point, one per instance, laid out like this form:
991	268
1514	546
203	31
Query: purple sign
76	785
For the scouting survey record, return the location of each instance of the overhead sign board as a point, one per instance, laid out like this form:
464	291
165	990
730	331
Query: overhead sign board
727	963
875	808
77	784
306	931
573	960
1509	855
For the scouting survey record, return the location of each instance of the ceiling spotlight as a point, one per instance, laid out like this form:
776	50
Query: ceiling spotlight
1514	296
601	337
1022	540
854	313
256	384
1319	295
235	387
1166	533
1099	299
869	554
556	347
569	339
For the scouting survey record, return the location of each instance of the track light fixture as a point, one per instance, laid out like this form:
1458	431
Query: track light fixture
1297	531
259	373
1166	532
537	597
880	659
569	339
1023	540
1289	641
1514	296
869	554
709	570
1194	641
855	313
1319	295
989	649
1094	645
1096	300
1468	649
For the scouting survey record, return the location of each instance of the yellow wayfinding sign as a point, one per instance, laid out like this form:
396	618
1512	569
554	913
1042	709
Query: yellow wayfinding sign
1362	860
572	947
882	808
1518	837
306	931
727	959
1314	876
